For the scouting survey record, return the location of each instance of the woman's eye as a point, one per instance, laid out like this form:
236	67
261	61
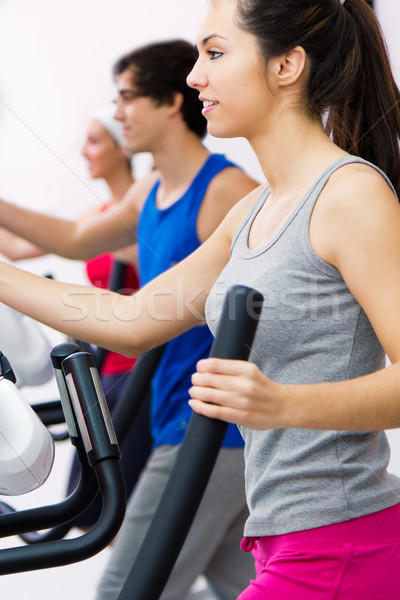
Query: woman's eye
213	54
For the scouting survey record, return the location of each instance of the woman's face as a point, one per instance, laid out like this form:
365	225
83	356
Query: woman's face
230	75
102	153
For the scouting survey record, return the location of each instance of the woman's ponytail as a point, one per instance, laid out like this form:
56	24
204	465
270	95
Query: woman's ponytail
350	80
366	122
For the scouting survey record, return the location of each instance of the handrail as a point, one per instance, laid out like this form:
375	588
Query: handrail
195	460
93	427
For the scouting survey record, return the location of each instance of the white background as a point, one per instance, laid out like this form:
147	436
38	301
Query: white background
56	61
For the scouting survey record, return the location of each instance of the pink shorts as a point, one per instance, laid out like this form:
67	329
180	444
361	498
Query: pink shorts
355	560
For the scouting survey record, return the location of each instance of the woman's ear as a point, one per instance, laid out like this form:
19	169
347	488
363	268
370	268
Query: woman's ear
288	68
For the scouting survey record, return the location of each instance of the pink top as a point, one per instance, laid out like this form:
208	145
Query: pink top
98	271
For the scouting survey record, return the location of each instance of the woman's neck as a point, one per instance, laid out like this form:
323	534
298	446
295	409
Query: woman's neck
293	153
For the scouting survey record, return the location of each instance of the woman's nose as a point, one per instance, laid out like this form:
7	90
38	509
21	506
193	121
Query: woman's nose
196	78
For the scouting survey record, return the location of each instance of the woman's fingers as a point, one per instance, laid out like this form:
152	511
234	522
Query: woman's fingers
214	411
224	382
237	392
219	382
225	389
215	395
224	366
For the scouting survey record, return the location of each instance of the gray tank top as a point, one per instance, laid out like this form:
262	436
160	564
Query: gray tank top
311	330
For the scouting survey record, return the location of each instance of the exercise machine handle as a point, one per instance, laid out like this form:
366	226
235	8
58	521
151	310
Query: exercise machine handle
58	355
90	407
195	459
138	386
94	423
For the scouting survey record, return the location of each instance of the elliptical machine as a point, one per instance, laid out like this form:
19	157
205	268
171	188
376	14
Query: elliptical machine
91	429
27	452
26	347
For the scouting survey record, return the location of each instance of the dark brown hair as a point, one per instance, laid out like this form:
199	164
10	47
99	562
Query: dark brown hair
159	71
350	76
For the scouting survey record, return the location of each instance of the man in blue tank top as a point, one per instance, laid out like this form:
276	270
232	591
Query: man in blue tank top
175	209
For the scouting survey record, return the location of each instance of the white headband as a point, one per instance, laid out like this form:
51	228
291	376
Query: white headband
342	2
105	116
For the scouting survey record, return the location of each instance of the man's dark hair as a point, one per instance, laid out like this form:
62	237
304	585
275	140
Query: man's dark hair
159	71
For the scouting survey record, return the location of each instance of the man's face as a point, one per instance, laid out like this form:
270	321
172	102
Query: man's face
143	122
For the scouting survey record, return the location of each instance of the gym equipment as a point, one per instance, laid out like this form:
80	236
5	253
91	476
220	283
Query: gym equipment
69	509
59	518
90	426
26	347
26	450
136	390
195	459
52	413
91	429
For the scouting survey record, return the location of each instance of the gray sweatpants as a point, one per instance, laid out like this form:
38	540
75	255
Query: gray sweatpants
212	546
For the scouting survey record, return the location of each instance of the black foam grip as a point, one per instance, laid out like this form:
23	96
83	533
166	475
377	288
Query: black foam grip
195	460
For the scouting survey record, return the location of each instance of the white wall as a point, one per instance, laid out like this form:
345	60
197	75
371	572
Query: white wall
388	12
56	70
56	60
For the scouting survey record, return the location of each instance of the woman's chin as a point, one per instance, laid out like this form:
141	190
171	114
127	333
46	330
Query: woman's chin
93	174
219	131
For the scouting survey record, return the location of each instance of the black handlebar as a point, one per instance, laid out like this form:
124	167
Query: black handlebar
195	459
93	425
66	512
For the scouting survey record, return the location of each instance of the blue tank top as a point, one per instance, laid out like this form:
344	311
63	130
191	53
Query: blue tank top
165	237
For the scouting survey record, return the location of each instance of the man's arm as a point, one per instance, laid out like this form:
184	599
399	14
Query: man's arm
164	308
224	191
81	239
15	247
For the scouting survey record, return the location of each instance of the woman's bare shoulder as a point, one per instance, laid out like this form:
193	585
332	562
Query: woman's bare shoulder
356	203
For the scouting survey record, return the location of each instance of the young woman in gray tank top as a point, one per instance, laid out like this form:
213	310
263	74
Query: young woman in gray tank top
321	242
309	85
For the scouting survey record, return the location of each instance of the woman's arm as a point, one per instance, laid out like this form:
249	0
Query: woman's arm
238	392
355	227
